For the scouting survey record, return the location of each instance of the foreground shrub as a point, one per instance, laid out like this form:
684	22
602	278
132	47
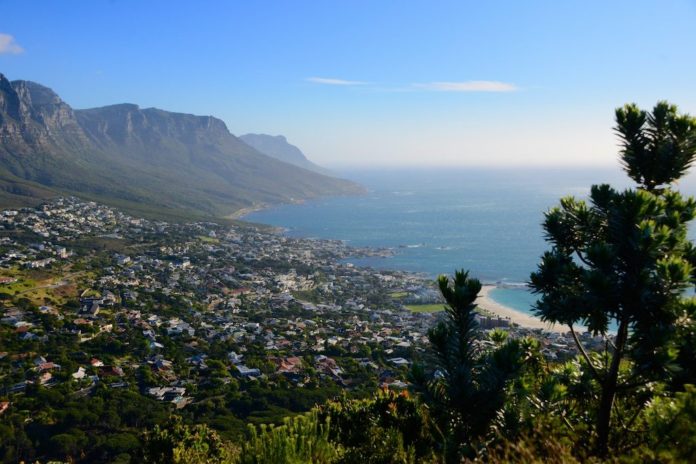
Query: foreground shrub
390	427
301	439
178	443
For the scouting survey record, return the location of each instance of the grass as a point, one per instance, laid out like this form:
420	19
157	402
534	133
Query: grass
39	295
90	293
425	308
23	283
398	294
433	308
37	285
19	286
206	239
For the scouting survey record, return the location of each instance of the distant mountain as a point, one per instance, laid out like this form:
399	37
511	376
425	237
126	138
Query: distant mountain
146	160
278	147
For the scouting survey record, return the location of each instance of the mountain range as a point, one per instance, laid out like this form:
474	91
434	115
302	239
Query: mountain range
145	160
278	147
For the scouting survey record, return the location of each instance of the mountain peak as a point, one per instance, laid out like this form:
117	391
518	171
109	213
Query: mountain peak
35	94
33	118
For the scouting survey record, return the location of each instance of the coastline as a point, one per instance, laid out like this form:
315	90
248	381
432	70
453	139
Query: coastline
517	317
485	300
240	213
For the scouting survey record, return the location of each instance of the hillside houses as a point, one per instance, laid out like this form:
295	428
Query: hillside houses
186	307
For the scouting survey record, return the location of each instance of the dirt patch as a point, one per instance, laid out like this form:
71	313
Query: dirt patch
66	291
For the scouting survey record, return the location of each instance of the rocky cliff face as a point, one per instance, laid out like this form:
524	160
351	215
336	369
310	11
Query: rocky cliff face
127	124
33	117
141	158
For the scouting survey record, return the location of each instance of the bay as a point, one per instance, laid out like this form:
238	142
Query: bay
437	220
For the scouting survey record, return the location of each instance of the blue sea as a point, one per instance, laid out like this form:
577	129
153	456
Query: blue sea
487	221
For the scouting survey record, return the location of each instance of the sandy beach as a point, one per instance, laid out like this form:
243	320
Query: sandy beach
240	213
486	302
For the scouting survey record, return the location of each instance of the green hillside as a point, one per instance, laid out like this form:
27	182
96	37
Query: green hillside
148	161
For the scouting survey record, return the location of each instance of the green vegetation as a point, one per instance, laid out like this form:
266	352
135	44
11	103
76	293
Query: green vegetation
298	440
15	192
474	385
206	239
388	427
18	286
38	286
150	162
625	258
425	308
398	295
621	257
177	443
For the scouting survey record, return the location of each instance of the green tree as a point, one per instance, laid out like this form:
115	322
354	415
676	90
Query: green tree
121	443
472	384
623	257
69	445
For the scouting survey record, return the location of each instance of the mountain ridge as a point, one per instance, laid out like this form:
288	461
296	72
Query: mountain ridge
278	147
140	159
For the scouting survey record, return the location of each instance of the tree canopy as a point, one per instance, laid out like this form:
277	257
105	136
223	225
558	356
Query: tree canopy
622	259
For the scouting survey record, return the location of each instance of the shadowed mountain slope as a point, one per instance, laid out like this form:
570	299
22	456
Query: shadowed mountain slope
146	160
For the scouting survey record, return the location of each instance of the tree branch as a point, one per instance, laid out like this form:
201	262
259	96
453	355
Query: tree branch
567	423
584	353
634	417
606	337
579	255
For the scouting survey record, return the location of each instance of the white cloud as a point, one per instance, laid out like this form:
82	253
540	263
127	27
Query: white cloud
9	46
468	86
330	81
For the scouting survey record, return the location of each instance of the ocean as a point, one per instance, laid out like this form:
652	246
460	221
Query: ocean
487	221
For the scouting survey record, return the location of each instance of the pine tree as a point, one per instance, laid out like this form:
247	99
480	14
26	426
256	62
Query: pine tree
471	387
623	258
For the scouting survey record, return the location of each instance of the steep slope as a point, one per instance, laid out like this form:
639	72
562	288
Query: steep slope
41	143
279	148
148	160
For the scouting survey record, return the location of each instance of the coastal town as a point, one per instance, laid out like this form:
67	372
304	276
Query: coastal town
205	317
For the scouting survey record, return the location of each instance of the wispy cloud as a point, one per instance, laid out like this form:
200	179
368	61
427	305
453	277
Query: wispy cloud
440	86
468	86
9	46
331	81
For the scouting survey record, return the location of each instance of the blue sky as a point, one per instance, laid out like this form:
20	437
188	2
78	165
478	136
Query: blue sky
372	82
